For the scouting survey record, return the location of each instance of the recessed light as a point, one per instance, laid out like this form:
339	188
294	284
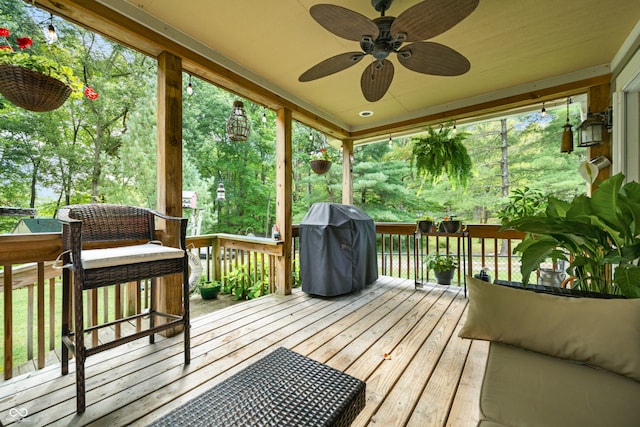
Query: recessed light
366	113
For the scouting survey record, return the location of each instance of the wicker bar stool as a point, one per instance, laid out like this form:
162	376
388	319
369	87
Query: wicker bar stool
111	244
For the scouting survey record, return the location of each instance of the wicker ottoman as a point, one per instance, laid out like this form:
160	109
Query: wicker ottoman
282	389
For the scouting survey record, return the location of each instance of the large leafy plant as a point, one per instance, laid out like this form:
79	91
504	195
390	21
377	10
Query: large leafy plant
597	235
442	152
523	202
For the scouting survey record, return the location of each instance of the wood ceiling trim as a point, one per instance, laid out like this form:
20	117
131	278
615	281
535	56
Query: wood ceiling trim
493	106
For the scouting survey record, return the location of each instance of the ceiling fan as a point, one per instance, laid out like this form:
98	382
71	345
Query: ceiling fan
386	34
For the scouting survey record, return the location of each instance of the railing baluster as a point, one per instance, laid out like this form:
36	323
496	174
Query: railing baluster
52	313
30	314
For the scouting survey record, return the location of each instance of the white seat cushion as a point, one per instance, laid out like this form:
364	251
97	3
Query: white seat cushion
110	257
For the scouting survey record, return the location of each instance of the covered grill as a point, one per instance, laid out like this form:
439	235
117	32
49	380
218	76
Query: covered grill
337	250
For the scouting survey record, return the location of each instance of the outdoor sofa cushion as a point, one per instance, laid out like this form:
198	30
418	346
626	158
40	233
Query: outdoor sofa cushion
599	332
524	388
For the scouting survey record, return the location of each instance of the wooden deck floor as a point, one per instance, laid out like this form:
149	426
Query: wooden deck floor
431	379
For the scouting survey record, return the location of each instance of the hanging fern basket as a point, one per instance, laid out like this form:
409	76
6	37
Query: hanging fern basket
320	166
32	90
442	153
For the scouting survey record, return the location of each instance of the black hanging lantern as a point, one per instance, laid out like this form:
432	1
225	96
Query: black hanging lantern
237	124
567	134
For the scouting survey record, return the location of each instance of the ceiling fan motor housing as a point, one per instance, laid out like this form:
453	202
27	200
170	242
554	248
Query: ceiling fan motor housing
381	5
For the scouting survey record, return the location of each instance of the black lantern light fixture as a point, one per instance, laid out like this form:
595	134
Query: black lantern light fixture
220	192
591	131
237	124
220	196
567	135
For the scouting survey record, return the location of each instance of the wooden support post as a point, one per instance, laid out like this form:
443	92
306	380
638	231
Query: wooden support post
169	171
347	172
598	99
283	197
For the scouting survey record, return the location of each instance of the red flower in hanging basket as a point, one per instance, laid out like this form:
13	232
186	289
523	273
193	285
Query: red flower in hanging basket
90	93
24	42
24	58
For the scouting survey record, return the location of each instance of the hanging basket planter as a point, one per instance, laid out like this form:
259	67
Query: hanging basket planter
320	166
32	90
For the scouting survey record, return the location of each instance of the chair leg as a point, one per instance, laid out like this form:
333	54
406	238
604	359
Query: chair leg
65	320
185	318
79	342
152	308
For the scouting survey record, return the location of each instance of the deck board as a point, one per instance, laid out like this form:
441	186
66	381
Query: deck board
432	377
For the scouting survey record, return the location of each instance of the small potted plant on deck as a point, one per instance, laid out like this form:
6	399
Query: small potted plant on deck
208	289
444	267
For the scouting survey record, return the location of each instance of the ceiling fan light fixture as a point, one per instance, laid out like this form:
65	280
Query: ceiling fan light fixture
385	35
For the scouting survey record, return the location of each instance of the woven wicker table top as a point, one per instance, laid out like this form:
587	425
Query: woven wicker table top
282	389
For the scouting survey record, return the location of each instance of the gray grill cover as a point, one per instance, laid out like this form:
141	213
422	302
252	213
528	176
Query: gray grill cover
337	250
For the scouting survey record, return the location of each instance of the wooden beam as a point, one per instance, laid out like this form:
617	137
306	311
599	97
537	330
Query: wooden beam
347	172
483	108
169	170
284	176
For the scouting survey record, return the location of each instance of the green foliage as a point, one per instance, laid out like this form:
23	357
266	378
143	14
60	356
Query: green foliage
441	262
442	152
598	235
523	202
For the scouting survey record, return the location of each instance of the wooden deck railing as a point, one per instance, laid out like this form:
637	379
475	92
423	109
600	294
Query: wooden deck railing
29	279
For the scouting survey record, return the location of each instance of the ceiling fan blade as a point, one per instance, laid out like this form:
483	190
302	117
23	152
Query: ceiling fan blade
331	65
433	58
343	22
429	18
376	79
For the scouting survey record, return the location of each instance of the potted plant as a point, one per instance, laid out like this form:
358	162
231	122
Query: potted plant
442	152
321	161
209	289
450	225
425	224
443	266
36	82
599	236
523	202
